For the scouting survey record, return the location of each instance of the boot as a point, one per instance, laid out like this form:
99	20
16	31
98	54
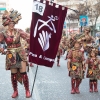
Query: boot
14	84
66	57
95	86
78	82
73	86
31	65
91	85
58	65
26	84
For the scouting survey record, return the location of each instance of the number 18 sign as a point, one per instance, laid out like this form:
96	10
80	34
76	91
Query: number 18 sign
38	7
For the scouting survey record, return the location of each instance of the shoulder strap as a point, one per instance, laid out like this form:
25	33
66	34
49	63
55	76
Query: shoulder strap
4	33
16	31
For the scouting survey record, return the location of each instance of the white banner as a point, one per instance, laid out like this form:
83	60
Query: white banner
38	7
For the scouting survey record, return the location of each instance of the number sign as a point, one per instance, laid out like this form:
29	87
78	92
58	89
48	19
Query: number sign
38	7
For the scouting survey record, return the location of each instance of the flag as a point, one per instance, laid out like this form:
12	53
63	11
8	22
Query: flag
46	31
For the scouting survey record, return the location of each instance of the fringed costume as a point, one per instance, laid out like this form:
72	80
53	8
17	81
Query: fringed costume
15	54
76	66
93	69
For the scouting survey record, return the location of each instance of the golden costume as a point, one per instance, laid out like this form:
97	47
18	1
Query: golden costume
75	66
93	69
15	53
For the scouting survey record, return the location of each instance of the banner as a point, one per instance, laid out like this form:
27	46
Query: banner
46	31
83	20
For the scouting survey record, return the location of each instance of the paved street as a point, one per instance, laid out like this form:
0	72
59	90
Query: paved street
6	89
51	84
54	84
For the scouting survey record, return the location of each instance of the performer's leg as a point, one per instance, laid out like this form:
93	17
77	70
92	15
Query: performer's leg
66	56
30	63
64	51
91	85
78	82
25	79
95	83
14	82
61	52
73	86
58	59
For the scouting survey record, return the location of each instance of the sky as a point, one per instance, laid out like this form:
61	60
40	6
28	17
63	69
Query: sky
25	8
2	0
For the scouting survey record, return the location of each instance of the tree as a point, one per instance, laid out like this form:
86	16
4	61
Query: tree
94	13
81	10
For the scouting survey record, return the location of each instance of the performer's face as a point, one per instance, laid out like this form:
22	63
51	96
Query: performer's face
92	54
87	31
77	46
11	25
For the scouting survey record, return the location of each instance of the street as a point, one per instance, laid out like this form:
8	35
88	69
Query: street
46	27
51	84
54	84
6	89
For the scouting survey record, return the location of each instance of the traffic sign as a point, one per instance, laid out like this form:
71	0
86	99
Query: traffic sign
83	20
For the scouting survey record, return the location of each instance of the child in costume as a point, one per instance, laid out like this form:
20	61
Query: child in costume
75	66
93	71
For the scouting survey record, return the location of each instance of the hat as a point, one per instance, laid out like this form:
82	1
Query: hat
87	28
12	15
27	30
94	49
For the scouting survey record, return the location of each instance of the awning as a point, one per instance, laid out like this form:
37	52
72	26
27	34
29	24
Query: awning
2	8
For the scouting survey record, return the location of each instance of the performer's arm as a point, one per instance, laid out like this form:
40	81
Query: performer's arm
1	37
92	39
99	64
68	64
69	60
83	62
86	64
24	35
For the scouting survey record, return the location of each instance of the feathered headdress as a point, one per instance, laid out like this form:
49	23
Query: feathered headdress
12	15
87	28
94	49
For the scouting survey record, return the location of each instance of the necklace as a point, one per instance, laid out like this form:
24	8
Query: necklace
10	32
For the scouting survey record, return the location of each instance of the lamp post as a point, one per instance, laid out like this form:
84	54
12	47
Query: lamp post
68	23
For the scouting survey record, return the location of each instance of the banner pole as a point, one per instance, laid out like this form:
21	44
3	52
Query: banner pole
52	1
34	80
81	29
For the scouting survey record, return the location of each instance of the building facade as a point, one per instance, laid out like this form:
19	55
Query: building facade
72	25
4	5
